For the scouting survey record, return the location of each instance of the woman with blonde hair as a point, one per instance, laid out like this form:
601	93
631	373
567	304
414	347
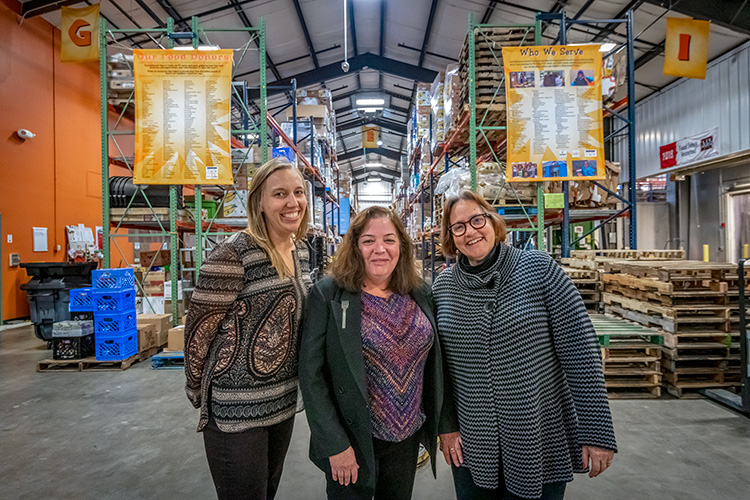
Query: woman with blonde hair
370	364
242	337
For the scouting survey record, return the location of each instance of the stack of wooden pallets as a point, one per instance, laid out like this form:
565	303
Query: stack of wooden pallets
632	358
586	267
489	77
695	305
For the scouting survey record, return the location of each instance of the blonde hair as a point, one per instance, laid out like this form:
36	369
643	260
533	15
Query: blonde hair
256	220
446	237
348	266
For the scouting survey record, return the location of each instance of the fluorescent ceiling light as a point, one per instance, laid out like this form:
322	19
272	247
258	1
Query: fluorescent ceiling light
607	47
373	178
375	164
370	102
380	143
369	110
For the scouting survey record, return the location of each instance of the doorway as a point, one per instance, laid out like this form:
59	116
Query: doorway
738	224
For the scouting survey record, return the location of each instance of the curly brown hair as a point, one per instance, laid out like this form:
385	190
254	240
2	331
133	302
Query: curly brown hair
348	267
446	237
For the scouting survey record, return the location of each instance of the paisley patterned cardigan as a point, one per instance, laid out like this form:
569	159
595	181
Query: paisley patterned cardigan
242	336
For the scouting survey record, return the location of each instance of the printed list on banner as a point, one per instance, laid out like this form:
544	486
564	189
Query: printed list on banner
554	101
182	116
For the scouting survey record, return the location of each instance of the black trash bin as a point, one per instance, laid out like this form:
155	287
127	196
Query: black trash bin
48	291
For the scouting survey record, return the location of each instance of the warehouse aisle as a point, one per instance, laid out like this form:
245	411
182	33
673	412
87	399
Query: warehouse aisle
130	435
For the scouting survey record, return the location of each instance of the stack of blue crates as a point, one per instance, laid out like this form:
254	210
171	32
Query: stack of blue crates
115	333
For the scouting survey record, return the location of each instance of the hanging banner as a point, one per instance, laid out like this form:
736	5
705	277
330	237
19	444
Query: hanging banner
686	47
79	34
182	112
690	149
554	106
370	137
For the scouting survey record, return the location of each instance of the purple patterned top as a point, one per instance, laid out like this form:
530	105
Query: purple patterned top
396	338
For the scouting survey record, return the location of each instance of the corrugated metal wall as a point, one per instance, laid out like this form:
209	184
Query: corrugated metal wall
691	106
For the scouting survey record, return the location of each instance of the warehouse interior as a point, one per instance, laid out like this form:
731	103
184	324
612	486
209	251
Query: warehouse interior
379	103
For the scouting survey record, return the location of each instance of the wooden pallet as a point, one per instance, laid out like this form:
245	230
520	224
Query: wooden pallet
629	254
673	271
690	390
671	325
582	274
86	364
692	313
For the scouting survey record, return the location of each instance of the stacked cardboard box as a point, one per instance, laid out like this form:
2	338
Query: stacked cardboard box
159	324
437	103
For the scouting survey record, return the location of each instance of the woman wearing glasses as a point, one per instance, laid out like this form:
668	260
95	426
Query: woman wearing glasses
524	364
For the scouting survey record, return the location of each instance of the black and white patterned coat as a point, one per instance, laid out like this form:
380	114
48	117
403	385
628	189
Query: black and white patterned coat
526	371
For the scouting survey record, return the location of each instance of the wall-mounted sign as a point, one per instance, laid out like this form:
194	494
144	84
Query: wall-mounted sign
690	149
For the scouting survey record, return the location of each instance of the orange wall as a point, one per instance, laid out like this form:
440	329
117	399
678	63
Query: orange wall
53	179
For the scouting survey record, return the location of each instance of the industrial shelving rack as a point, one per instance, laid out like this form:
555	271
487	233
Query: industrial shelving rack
480	145
112	131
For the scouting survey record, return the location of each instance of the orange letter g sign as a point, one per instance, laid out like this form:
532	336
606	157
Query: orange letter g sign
82	38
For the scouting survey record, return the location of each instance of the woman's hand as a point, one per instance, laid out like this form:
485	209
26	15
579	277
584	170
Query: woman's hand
600	459
452	448
344	467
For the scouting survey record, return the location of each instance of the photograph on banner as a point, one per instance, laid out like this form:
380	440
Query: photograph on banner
182	116
554	100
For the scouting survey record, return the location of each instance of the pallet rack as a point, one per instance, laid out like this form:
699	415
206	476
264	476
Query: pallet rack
169	226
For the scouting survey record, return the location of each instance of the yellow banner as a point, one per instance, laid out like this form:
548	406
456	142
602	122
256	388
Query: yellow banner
182	116
80	34
370	137
686	48
554	106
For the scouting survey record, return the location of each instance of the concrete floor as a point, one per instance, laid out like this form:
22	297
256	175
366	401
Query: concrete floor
131	435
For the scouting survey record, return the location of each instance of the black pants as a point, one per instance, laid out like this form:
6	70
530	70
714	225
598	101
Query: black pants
247	465
467	490
395	468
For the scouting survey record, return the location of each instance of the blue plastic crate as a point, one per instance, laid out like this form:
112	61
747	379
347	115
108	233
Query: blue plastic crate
114	322
81	300
114	300
113	278
116	347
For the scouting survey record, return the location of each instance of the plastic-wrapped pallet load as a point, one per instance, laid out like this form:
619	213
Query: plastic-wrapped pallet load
451	99
115	334
437	104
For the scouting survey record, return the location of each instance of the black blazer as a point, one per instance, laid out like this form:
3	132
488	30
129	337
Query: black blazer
333	383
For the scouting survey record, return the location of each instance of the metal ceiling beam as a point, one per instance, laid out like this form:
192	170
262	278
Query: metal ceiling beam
350	6
435	54
427	31
583	9
387	124
35	8
356	63
731	14
383	91
246	22
388	153
288	61
382	28
361	172
611	27
302	22
654	52
151	13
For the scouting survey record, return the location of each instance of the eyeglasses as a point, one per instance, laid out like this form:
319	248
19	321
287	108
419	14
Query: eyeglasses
477	222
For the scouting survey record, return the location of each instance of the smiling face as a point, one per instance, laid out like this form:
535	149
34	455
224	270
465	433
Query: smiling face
380	249
283	203
475	244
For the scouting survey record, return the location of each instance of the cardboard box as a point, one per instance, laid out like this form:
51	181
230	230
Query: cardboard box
176	339
147	336
161	322
162	338
305	111
152	305
168	307
162	259
235	204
